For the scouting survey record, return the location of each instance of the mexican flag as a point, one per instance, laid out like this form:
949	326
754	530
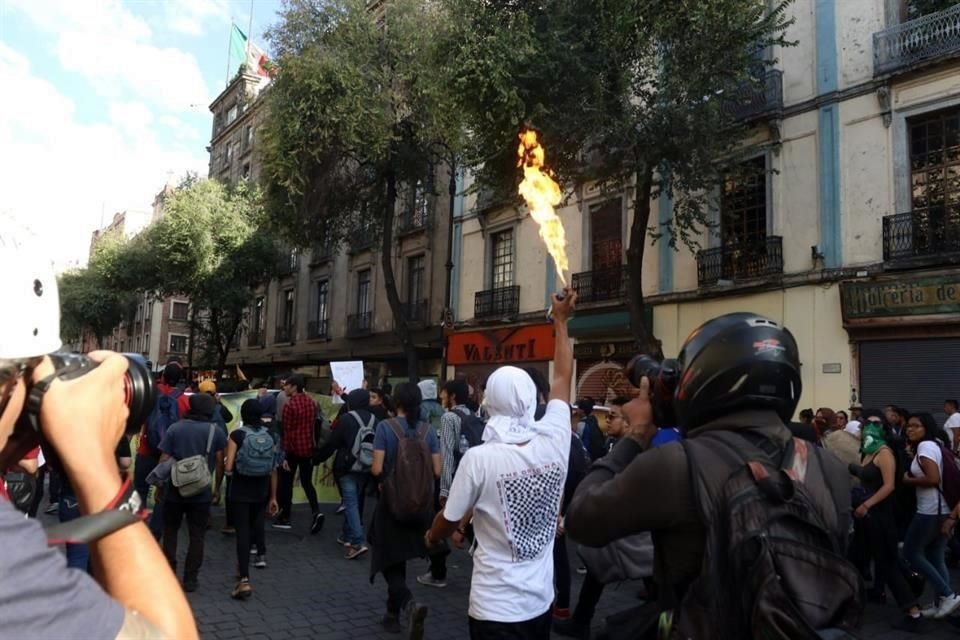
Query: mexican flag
242	48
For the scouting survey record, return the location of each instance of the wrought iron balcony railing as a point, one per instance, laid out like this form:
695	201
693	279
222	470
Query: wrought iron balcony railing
362	240
283	335
416	313
321	253
601	285
288	265
925	39
318	329
412	221
933	232
255	339
497	303
763	257
756	98
359	324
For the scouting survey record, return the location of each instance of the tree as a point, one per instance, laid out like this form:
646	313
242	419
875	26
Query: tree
360	111
210	246
88	302
644	104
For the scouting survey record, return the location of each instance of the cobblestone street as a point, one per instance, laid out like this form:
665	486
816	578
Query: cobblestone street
309	591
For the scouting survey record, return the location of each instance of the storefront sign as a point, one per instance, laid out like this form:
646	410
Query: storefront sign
902	297
529	343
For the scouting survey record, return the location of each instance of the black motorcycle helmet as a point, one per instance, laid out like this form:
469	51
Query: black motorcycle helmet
735	362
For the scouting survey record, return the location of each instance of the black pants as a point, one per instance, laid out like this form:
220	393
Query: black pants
248	518
590	593
561	573
534	629
144	465
197	515
228	504
880	528
398	593
305	468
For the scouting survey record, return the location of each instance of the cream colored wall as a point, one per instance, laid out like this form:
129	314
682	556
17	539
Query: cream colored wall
866	167
857	21
811	313
927	87
795	192
799	62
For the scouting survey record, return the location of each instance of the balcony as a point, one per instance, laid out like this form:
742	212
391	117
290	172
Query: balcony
757	259
496	303
362	239
321	254
288	265
359	324
416	313
413	221
929	38
255	339
929	236
318	329
283	335
756	98
602	285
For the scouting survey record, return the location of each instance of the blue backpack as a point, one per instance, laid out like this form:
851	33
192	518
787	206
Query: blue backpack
255	457
164	414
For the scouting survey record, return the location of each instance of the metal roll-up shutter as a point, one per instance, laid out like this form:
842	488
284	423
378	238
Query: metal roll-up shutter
917	375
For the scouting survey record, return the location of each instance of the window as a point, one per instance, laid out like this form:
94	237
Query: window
123	345
248	136
178	343
232	113
363	291
502	259
148	309
180	311
139	313
286	308
259	315
743	205
146	343
935	165
228	158
138	344
323	295
606	235
419	206
415	273
245	172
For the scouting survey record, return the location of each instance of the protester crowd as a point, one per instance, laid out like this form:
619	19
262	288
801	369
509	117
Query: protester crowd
520	476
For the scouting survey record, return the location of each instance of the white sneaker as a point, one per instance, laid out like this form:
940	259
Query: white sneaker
931	609
947	606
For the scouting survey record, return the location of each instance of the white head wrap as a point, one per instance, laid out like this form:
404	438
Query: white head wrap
511	401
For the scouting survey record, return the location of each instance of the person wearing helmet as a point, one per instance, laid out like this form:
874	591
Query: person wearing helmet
738	381
138	595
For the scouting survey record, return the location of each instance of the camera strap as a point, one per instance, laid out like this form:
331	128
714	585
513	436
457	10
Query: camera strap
125	509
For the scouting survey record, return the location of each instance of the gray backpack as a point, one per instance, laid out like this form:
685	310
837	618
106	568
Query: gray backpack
362	450
191	476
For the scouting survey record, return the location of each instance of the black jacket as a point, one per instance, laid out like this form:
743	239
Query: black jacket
340	442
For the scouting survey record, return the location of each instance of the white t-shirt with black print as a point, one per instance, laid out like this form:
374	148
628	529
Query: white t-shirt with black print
515	494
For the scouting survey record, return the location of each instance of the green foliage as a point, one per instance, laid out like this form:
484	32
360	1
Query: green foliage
633	94
918	8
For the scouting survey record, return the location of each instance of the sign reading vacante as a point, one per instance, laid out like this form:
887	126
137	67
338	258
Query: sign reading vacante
903	297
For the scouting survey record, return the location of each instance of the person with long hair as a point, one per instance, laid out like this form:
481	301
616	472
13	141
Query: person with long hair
924	547
877	474
394	541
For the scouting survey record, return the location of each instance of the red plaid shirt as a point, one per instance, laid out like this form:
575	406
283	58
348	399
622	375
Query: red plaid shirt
299	415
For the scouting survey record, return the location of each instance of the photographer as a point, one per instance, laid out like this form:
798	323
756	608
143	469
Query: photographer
733	386
39	596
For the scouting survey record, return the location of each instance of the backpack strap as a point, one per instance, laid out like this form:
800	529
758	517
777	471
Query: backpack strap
210	438
396	428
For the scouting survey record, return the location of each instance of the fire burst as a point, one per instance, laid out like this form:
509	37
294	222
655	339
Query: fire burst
542	193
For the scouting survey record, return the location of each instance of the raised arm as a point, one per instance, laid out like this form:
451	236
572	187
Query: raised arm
563	351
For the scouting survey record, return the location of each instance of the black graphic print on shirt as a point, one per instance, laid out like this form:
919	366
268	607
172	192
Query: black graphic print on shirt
531	502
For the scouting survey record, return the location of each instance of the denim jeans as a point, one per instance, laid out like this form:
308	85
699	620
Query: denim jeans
924	547
352	487
78	555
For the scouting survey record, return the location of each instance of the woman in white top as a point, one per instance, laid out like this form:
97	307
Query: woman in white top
924	546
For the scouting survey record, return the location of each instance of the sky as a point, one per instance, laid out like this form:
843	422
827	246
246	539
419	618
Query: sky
105	102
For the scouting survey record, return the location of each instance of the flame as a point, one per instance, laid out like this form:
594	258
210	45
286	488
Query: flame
542	193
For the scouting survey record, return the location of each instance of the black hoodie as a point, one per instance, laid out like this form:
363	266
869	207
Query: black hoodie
344	433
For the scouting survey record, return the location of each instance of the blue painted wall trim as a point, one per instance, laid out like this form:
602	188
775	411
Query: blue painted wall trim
664	252
829	165
457	245
825	17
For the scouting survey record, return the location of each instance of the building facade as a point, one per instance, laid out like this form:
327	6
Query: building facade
844	224
329	303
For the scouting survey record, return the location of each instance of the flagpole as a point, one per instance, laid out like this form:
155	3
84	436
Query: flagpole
250	31
226	80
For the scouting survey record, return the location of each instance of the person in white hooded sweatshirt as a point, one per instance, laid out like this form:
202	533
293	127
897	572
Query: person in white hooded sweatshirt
511	487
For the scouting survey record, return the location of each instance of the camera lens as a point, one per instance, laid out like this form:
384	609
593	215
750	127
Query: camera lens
140	392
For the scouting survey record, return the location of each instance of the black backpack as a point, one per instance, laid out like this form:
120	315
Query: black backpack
772	569
471	428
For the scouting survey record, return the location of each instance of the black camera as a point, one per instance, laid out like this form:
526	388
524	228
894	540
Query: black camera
663	377
139	389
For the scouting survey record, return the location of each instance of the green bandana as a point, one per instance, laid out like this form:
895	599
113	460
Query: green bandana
873	438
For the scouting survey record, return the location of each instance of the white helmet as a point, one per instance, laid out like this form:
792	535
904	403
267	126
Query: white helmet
30	322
